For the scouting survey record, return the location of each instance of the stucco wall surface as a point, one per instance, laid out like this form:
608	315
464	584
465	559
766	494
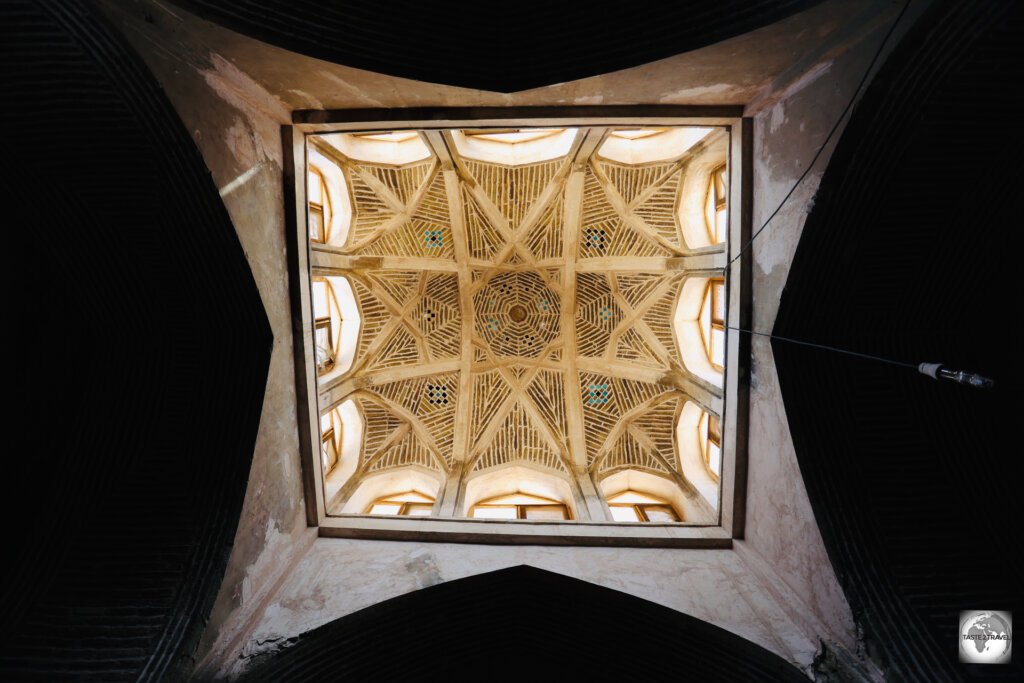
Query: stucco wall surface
780	526
340	576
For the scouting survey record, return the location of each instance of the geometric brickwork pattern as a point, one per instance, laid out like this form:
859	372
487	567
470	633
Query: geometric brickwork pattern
517	314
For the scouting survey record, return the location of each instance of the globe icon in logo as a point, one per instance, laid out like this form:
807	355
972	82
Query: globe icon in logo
985	637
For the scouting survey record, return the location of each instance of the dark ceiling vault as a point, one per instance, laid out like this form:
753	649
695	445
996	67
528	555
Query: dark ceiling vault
145	357
144	348
526	620
515	47
905	256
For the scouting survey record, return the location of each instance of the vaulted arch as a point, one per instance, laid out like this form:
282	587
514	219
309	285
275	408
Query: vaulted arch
533	617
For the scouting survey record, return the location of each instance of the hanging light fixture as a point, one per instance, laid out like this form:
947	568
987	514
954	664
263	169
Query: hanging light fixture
939	371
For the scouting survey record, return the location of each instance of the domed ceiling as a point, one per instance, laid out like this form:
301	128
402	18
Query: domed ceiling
521	313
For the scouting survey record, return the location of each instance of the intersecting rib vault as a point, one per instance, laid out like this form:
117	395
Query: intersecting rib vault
516	317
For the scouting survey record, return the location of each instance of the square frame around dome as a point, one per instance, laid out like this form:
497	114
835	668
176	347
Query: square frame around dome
438	128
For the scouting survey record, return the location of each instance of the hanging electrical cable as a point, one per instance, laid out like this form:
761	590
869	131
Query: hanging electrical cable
835	127
933	370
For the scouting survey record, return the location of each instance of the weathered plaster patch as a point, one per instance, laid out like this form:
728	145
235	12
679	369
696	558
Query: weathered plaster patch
808	78
276	554
423	568
243	143
755	371
265	645
310	102
690	93
264	113
778	249
778	117
358	96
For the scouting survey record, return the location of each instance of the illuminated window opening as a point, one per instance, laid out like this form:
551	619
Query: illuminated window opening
648	145
395	148
701	462
341	434
633	506
512	136
396	136
324	305
486	487
513	146
380	487
331	434
715	212
408	504
336	324
333	194
637	133
520	506
712	322
319	207
710	430
692	326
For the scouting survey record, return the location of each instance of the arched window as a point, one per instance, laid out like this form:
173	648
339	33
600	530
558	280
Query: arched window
513	146
644	145
633	506
715	210
341	434
395	136
519	506
330	437
319	206
323	306
699	326
710	430
512	135
636	133
410	503
335	324
699	441
712	322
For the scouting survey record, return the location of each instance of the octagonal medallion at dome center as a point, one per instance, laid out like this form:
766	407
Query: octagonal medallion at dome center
517	314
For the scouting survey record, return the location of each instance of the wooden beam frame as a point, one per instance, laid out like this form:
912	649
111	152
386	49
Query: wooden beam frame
572	221
568	181
425	118
633	317
403	211
460	244
638	224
